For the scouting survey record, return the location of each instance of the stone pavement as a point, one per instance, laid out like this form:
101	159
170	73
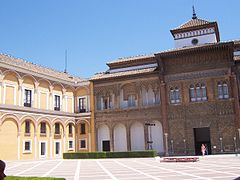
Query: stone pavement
219	167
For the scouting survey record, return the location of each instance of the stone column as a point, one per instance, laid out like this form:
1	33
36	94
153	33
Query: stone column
36	84
20	89
166	144
35	145
64	142
50	103
51	143
111	140
1	93
164	104
128	138
18	144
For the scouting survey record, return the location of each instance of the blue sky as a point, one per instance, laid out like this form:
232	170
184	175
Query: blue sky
97	31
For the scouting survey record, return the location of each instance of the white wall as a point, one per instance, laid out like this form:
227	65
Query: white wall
209	38
137	137
120	138
103	135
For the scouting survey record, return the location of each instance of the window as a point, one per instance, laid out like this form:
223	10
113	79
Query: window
27	146
82	105
70	144
131	101
157	97
70	129
43	128
223	90
198	92
174	96
27	98
99	102
82	128
83	144
57	103
57	128
27	127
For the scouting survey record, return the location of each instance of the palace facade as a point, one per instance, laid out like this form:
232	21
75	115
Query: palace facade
175	100
171	101
43	113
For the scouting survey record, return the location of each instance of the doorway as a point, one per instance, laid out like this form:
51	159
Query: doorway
202	136
106	145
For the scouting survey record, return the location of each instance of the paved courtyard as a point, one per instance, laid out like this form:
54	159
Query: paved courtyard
209	167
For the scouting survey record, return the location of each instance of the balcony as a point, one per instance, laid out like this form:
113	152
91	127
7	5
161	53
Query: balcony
27	104
56	108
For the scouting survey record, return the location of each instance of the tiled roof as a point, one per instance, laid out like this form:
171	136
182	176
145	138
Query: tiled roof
122	74
193	23
20	63
132	58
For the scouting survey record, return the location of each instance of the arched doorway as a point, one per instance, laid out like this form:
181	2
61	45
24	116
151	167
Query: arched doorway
137	137
120	138
103	138
8	140
157	137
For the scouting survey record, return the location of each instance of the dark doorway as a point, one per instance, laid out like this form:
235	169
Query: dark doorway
106	145
202	136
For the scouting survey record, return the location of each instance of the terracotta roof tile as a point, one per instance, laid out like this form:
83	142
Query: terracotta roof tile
132	58
9	60
121	74
193	23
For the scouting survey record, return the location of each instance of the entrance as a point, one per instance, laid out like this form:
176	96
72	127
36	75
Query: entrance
202	136
106	145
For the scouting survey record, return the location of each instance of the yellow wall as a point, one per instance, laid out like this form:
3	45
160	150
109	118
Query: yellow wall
8	140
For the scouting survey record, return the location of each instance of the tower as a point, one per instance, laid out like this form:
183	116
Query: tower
195	32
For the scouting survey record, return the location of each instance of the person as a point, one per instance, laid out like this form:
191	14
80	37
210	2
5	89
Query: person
206	147
203	149
2	168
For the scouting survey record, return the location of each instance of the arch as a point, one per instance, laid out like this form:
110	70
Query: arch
43	118
57	120
10	116
69	122
45	80
70	87
157	137
137	136
29	75
120	137
32	119
79	121
103	134
5	73
57	83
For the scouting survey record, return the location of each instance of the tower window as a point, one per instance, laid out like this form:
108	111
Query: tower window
195	41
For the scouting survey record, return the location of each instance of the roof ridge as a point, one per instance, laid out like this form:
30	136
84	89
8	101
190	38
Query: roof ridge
122	59
21	60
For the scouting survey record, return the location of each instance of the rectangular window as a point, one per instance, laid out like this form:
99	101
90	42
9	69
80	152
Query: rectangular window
99	102
204	93
177	95
57	103
57	128
70	144
225	91
43	128
82	105
131	101
82	129
220	91
27	146
157	98
27	98
27	127
192	94
82	144
70	129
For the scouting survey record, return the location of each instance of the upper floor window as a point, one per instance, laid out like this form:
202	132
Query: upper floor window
82	104
174	95
223	90
131	101
43	127
104	102
198	92
57	103
57	128
157	97
82	128
70	131
27	98
27	127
